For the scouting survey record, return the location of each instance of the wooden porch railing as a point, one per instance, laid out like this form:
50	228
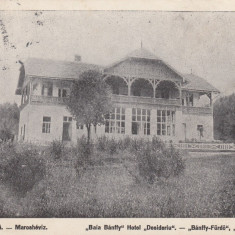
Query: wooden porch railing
144	100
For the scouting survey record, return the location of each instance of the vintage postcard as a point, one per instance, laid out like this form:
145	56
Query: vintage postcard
117	119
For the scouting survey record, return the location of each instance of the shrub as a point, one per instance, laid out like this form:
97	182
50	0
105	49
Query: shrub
113	146
158	144
83	151
56	149
155	161
136	145
84	147
102	143
23	169
125	143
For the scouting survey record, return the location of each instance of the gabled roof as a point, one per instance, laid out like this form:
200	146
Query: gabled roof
56	69
193	82
144	54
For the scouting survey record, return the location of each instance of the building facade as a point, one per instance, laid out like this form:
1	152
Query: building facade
150	98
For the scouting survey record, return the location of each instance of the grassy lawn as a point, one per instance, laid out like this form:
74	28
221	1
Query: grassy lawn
208	185
206	188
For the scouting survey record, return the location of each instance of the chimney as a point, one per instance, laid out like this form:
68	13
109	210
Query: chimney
77	58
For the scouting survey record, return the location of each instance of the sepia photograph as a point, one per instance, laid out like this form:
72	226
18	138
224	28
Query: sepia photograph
117	114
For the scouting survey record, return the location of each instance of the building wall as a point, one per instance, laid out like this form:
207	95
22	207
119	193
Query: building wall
32	117
192	121
23	124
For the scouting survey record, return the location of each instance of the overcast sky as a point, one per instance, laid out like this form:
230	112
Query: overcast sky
203	43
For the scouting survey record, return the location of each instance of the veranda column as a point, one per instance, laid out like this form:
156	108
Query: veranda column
154	88
153	122
128	120
180	89
30	91
129	87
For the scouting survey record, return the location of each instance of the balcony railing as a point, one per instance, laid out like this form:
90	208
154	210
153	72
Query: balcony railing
127	99
115	98
144	100
47	99
196	110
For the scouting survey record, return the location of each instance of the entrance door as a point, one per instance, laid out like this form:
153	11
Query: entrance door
67	131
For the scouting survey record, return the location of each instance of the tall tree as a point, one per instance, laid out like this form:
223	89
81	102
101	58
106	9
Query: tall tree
90	100
224	118
9	121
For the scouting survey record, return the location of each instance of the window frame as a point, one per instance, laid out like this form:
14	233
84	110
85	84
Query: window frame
47	86
46	125
63	92
165	122
141	118
115	121
67	119
200	129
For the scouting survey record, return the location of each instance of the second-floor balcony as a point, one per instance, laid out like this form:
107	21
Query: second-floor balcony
37	99
197	110
122	99
144	100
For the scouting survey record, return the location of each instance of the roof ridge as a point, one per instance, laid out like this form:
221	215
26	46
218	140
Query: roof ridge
142	53
61	61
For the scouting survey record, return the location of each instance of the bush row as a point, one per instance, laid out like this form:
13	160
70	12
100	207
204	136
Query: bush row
151	159
22	166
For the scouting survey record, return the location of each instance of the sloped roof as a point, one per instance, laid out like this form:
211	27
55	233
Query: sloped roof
72	70
193	82
56	69
52	69
142	53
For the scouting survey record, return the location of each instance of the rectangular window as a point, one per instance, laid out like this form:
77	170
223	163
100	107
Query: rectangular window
200	131
67	119
63	92
189	99
140	121
46	125
115	121
47	89
166	122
